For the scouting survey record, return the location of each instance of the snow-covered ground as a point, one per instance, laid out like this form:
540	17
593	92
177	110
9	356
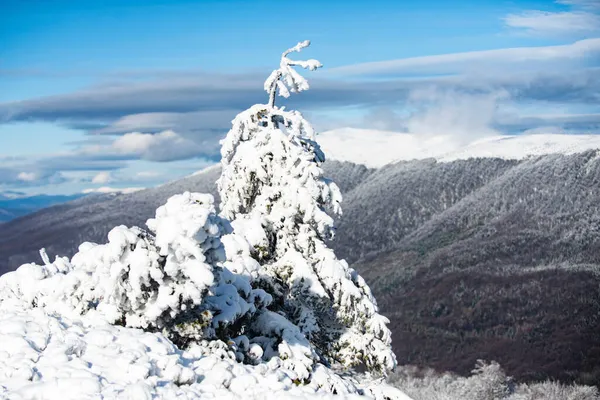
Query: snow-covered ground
52	357
376	148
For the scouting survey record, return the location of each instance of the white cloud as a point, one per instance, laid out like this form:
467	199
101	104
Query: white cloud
478	60
163	146
460	116
583	18
102	177
551	23
436	118
27	176
587	4
198	122
107	189
148	174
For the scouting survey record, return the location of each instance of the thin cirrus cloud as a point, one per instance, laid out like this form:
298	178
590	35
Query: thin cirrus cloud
583	18
153	122
585	4
532	58
543	22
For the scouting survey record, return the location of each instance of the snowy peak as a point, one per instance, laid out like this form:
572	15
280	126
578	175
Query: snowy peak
516	147
375	148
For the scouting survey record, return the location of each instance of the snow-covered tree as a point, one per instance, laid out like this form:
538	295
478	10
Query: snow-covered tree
273	190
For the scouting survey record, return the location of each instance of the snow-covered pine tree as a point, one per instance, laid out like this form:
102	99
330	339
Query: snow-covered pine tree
273	190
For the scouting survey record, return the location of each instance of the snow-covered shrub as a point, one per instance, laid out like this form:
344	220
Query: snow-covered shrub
555	391
488	382
174	278
273	189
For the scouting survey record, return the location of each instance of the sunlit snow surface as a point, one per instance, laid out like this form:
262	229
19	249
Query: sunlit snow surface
375	148
46	356
49	357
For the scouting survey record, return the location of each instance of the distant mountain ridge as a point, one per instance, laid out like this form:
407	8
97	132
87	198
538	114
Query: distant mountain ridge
13	206
376	148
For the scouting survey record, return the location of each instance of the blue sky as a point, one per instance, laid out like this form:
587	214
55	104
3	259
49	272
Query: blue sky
131	94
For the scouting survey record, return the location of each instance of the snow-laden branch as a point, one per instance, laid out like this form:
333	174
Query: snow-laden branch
285	78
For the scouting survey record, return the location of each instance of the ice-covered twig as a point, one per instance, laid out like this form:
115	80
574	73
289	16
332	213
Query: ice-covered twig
285	78
44	256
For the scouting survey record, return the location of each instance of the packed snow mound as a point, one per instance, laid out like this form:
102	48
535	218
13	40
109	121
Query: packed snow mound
45	356
169	313
376	148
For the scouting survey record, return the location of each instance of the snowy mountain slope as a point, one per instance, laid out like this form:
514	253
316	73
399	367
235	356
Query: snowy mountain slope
401	197
513	147
376	148
506	273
